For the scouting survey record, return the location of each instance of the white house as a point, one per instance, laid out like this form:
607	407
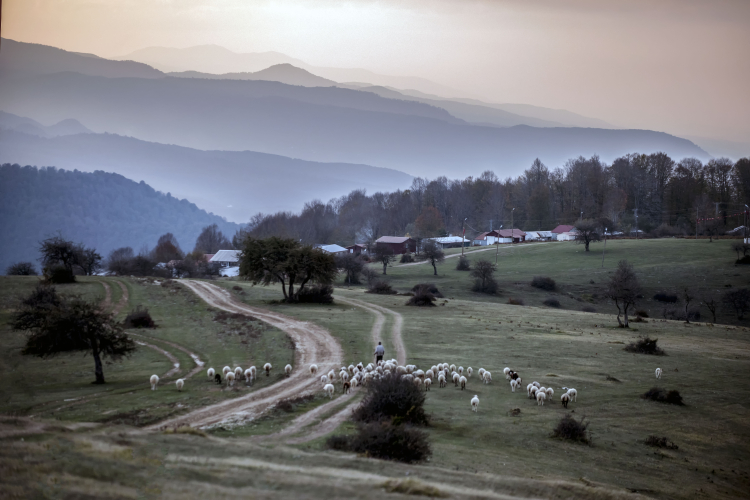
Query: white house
449	241
540	236
566	236
226	258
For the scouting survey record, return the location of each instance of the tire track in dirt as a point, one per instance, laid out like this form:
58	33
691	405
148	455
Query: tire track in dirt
313	345
398	323
123	299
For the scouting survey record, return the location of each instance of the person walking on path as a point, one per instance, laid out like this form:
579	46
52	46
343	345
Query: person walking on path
379	352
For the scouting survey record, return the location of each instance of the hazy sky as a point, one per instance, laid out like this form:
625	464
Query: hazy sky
680	66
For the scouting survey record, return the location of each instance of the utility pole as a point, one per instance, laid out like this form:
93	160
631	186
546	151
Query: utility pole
605	246
636	223
581	219
490	225
497	245
717	208
696	223
463	236
512	227
745	228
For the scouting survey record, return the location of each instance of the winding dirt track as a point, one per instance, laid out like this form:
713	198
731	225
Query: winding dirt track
313	345
398	323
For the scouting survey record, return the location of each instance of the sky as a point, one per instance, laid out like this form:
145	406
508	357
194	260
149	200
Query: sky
679	66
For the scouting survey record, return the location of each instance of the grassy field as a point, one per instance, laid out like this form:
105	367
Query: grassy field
64	391
506	447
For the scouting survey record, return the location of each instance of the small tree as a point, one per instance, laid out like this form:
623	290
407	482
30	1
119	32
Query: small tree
624	289
352	266
738	300
89	260
119	261
384	255
211	240
464	264
432	252
711	304
687	296
587	231
21	269
484	271
57	252
55	325
167	249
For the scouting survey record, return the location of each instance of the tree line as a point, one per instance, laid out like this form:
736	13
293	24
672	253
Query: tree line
651	192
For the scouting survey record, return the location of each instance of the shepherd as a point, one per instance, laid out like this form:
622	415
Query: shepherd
379	352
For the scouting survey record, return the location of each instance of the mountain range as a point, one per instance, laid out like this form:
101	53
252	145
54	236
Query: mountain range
323	124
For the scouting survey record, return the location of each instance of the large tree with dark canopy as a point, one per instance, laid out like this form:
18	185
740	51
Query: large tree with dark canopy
211	240
587	231
285	261
58	324
58	257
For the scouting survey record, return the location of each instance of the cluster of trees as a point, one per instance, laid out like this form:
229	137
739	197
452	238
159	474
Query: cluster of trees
653	192
61	261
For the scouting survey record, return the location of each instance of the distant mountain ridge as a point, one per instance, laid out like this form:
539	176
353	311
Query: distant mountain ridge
70	126
103	210
232	184
284	73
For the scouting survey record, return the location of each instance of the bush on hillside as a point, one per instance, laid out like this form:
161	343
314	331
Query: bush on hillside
641	313
138	318
381	288
544	283
316	294
551	302
21	269
385	441
463	264
422	297
572	429
406	258
515	302
669	298
645	345
429	287
393	399
660	442
59	275
664	396
489	286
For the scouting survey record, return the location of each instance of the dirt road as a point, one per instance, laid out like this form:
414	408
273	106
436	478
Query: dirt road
398	322
313	345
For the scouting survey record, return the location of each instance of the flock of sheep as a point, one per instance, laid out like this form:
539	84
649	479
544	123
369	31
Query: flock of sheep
229	376
359	374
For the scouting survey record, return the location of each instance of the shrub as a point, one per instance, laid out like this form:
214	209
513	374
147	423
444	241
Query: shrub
645	345
484	272
588	309
660	442
663	396
21	269
429	287
386	441
289	405
572	429
381	288
489	286
515	302
669	298
551	302
422	298
369	274
744	260
394	399
317	294
464	264
544	283
138	318
406	258
641	313
737	300
59	274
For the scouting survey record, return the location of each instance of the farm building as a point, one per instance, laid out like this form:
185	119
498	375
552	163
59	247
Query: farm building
566	236
480	240
449	241
226	258
332	249
563	228
398	244
540	236
357	249
508	235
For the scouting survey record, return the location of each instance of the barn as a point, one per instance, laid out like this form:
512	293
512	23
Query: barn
398	244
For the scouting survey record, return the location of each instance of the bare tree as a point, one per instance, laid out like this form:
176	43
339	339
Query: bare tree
687	296
211	240
89	260
711	304
587	231
352	266
738	300
624	289
384	255
484	271
119	261
432	252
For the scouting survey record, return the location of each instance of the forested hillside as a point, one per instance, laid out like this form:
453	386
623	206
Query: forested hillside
101	210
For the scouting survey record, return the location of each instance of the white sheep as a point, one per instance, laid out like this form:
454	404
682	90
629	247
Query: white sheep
267	367
179	383
238	373
460	370
419	373
154	380
211	373
573	394
542	389
344	376
331	375
429	373
532	392
329	388
540	397
550	392
528	389
355	382
230	379
313	369
487	377
462	380
475	403
288	370
565	399
506	371
453	368
513	385
481	373
441	380
324	379
455	378
427	383
253	372
248	375
536	384
658	373
469	371
418	382
225	370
